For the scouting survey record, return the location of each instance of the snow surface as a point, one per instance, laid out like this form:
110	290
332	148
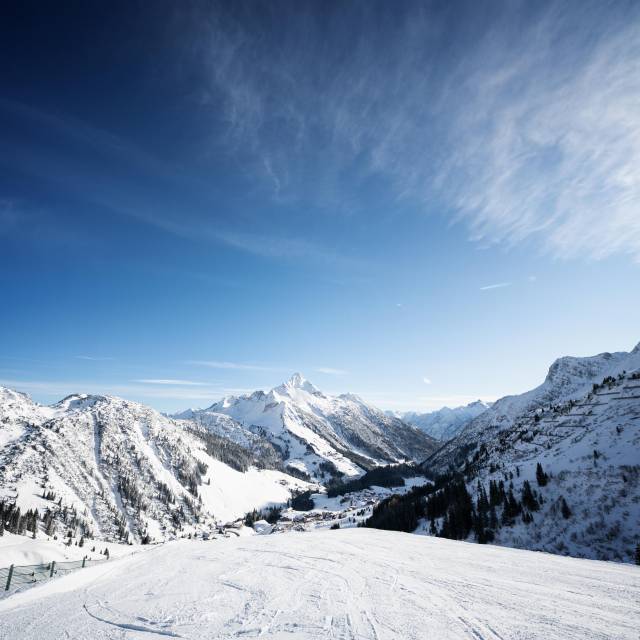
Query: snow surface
23	550
356	583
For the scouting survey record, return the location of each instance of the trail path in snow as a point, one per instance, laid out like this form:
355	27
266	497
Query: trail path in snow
347	584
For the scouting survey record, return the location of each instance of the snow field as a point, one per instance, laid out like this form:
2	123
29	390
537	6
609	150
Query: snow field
355	583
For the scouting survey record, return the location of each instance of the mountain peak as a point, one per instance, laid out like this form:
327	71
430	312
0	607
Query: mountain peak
296	380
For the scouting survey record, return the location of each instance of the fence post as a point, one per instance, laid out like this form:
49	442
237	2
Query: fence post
53	566
9	578
83	561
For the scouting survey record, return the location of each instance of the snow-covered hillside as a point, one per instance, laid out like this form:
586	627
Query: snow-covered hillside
318	434
356	583
582	425
568	378
118	470
445	423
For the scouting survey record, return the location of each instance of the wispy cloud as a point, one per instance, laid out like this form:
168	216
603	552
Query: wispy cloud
118	192
498	285
529	133
88	135
274	246
426	380
237	366
172	382
331	371
94	358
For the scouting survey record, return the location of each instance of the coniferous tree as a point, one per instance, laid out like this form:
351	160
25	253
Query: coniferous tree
564	508
511	509
528	497
493	518
541	476
638	554
527	518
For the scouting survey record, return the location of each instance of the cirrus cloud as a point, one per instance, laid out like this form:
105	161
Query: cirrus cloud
526	130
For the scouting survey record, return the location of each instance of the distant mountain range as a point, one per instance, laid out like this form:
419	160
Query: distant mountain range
119	470
319	435
445	423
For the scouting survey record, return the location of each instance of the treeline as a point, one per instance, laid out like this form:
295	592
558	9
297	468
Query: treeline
400	512
270	514
388	476
263	455
454	513
13	520
302	501
16	522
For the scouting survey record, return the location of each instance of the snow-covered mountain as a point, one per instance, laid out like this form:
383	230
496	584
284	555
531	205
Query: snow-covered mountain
116	469
582	425
445	423
569	378
319	434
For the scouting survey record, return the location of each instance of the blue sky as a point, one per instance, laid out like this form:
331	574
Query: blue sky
423	203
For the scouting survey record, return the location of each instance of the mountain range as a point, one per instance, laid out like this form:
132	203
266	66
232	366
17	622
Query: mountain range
318	434
119	470
566	454
445	423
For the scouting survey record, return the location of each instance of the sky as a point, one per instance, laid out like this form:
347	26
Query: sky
421	203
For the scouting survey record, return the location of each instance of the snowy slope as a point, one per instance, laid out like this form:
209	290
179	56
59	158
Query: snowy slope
119	470
587	440
313	429
356	583
445	423
568	378
22	550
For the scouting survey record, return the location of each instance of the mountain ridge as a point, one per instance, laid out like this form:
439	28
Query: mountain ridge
317	431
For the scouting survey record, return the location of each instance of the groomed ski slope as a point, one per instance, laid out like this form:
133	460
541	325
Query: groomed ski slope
334	584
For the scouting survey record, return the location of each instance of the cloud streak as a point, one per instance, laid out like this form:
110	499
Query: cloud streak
528	133
234	366
499	285
172	382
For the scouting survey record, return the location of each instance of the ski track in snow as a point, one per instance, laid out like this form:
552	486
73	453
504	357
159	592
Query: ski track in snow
348	584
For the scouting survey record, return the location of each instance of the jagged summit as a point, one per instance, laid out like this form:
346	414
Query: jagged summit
576	368
296	382
317	432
